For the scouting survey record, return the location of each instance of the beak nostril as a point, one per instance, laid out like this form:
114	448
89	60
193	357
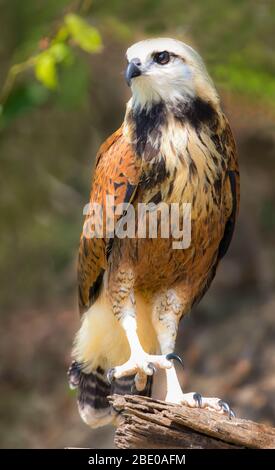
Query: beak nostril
136	61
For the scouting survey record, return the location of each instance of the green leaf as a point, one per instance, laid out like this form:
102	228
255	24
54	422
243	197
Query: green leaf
45	70
62	35
85	36
60	52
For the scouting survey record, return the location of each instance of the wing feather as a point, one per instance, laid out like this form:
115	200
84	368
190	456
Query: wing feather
232	188
225	142
117	174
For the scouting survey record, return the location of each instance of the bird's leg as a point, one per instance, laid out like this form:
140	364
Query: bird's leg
140	363
166	320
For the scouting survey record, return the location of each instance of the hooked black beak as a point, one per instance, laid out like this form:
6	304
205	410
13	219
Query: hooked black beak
132	71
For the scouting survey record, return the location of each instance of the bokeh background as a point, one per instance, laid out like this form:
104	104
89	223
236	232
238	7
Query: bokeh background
64	96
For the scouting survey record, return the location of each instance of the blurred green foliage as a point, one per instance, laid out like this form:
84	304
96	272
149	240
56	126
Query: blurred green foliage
48	67
57	51
235	36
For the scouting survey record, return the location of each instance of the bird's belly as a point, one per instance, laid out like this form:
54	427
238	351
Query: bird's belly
159	263
101	340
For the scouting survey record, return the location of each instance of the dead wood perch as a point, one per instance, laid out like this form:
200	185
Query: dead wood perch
152	424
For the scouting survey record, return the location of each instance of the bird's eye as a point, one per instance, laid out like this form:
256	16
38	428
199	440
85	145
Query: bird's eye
161	58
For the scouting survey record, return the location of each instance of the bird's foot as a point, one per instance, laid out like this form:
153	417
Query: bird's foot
74	373
195	400
141	365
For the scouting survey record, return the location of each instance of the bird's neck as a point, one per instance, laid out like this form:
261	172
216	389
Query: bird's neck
145	127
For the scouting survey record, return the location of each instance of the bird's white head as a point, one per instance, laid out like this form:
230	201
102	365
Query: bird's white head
168	70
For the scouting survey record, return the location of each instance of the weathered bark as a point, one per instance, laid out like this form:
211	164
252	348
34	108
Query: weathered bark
152	424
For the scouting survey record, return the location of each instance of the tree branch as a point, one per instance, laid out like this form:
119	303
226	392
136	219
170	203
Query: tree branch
152	424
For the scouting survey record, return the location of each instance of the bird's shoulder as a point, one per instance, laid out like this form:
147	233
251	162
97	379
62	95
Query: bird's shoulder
117	169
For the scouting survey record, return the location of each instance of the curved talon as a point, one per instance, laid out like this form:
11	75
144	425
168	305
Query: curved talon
198	399
226	408
152	367
224	405
176	357
111	375
133	389
74	366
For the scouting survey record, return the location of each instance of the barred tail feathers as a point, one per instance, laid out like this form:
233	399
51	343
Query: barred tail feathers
101	344
92	392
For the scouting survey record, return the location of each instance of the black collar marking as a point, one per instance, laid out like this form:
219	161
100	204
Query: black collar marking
148	122
196	112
